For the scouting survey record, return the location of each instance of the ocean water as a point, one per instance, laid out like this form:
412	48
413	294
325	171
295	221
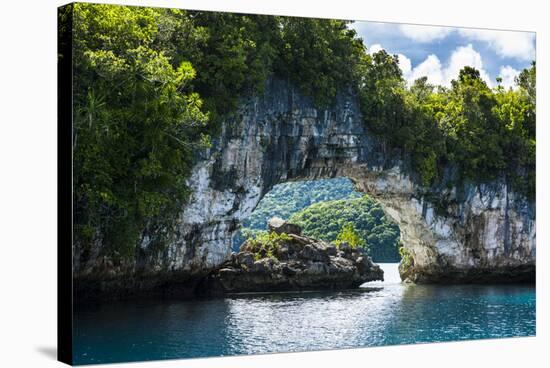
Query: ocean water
379	313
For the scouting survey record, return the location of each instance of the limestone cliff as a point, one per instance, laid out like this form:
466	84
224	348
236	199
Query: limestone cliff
464	233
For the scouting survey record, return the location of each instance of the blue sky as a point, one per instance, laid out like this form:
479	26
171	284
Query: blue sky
440	52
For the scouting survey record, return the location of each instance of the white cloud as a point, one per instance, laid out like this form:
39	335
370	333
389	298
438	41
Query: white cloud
440	74
375	48
424	33
519	45
465	56
431	68
371	27
405	65
508	75
512	44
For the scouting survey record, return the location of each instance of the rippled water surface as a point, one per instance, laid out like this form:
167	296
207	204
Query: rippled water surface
382	313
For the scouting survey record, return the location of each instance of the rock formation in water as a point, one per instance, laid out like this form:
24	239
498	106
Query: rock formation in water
467	232
288	261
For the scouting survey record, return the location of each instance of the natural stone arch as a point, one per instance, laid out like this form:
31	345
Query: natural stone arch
484	232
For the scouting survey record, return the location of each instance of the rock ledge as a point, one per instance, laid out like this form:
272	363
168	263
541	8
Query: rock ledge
294	263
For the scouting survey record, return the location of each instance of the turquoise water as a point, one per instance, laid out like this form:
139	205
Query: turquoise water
385	313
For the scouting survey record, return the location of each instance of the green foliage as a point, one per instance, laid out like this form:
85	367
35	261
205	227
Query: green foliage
151	86
136	125
286	199
382	93
516	114
527	81
265	244
406	258
483	133
319	55
235	54
326	220
349	235
317	208
235	59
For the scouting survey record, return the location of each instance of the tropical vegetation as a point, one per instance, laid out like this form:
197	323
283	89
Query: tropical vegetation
357	221
153	86
286	199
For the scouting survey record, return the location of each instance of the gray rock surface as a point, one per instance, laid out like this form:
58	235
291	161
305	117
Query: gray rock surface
468	232
279	226
300	263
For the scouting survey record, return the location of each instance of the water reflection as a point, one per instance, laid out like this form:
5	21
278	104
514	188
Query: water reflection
297	322
377	314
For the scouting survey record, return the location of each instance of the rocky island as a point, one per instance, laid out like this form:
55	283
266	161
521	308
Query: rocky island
469	232
177	126
461	194
284	260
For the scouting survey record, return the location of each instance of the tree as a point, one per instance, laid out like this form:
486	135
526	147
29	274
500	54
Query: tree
137	123
319	55
349	235
151	86
325	221
381	90
527	81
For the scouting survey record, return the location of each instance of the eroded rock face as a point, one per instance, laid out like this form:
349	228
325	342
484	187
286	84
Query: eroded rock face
467	233
299	263
472	233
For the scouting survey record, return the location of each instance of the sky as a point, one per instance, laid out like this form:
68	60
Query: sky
440	52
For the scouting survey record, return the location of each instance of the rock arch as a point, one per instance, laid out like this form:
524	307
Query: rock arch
481	233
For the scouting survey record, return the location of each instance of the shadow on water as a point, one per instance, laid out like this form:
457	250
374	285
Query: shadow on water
312	294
